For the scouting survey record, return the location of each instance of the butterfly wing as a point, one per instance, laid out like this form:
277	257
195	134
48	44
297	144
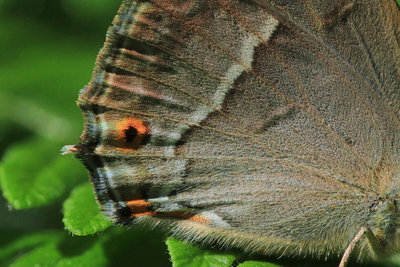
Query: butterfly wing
244	123
365	33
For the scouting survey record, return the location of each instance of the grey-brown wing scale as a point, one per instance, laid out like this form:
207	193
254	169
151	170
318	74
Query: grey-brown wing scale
243	123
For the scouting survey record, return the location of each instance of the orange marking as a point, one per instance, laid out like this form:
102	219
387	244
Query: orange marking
138	203
139	207
124	149
136	54
198	218
131	122
150	213
182	216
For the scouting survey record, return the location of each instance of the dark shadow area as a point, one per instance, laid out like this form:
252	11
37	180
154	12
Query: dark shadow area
35	219
10	133
146	248
72	246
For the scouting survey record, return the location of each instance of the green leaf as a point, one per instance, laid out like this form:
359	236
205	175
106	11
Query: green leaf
257	264
121	247
43	256
82	215
137	246
33	173
83	251
13	244
185	255
61	250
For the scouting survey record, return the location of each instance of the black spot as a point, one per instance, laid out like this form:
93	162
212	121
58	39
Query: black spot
146	139
130	134
124	216
124	212
349	141
172	193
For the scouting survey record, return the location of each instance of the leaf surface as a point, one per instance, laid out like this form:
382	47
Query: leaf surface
34	173
82	215
185	255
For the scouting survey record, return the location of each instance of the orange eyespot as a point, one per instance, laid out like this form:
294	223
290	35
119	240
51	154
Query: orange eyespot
132	131
128	123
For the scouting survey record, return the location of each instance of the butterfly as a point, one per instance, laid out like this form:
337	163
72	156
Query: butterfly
270	126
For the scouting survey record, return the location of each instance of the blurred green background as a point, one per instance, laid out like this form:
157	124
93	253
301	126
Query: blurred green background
48	50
